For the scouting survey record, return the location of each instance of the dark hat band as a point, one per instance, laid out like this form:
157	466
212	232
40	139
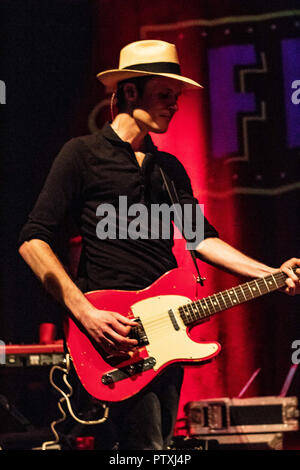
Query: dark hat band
156	67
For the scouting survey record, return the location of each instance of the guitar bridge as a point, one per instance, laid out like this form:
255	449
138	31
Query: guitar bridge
128	371
138	333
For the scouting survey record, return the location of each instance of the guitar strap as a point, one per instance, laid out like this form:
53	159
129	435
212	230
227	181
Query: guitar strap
174	197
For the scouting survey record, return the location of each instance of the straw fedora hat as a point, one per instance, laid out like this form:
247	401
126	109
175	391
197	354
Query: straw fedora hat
147	57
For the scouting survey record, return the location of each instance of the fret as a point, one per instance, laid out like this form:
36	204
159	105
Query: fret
192	314
236	299
205	307
269	284
220	300
280	277
184	318
238	289
187	314
229	293
274	279
223	299
227	299
196	310
217	301
242	289
253	288
210	305
250	291
214	304
256	282
264	285
180	310
202	313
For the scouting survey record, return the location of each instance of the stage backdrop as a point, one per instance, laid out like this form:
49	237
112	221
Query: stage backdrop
238	138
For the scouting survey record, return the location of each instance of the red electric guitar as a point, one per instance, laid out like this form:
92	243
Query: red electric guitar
164	313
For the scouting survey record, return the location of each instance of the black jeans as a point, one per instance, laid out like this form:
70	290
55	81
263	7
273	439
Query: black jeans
146	421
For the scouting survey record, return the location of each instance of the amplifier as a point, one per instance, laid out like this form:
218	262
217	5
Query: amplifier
29	355
269	414
261	441
25	386
257	423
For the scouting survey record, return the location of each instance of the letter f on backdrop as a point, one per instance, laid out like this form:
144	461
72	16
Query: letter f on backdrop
227	97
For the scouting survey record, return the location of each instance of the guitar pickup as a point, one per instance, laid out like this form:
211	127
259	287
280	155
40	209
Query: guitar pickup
137	332
126	372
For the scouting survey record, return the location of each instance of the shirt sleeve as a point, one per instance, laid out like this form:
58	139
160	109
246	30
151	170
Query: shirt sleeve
59	196
193	220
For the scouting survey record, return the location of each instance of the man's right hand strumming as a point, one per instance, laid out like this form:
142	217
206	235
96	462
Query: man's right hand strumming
109	329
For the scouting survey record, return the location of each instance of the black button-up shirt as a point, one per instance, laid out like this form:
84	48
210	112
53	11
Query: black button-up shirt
98	169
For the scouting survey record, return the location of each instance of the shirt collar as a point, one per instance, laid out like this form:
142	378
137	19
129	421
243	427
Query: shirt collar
108	132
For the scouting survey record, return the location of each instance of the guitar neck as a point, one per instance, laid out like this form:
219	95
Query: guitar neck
201	309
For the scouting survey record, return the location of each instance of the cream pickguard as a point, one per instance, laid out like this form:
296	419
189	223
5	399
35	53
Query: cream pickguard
166	343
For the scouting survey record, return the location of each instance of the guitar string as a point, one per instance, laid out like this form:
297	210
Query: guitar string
157	324
198	310
211	299
256	284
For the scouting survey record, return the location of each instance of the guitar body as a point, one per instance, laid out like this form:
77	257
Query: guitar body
165	338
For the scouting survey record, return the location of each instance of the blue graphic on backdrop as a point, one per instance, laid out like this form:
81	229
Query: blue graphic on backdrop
225	100
290	49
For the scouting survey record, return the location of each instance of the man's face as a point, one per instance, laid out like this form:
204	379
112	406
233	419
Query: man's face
158	104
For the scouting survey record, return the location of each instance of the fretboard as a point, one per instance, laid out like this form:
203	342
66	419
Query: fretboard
201	309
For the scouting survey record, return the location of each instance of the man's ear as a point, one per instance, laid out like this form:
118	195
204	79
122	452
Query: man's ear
130	92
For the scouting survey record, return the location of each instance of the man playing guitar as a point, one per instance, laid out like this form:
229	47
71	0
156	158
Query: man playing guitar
121	160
